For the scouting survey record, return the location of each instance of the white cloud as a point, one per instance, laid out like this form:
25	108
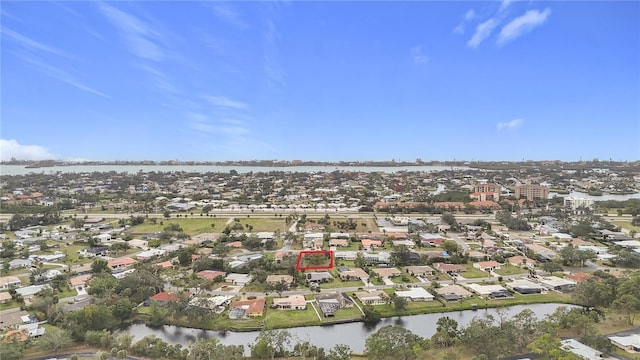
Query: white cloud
12	149
523	24
139	36
470	15
63	76
482	32
222	101
228	14
505	4
31	44
418	55
513	124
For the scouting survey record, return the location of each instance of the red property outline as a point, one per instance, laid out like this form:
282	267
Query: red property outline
319	267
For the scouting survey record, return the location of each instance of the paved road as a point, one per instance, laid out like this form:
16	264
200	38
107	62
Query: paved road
461	243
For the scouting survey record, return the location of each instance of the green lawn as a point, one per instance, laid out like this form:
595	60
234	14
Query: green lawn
400	279
364	224
286	318
508	269
9	305
341	284
190	226
626	225
263	224
344	314
473	273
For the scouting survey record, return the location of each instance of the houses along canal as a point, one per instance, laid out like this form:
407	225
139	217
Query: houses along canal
352	334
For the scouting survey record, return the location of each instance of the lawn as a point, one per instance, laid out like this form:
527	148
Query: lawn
365	225
510	270
401	279
263	224
626	225
473	273
341	284
287	318
9	305
190	226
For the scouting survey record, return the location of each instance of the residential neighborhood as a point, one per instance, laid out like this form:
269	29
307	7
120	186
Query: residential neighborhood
231	255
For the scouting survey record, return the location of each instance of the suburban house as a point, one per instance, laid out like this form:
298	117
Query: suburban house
120	263
210	274
453	292
428	239
313	240
162	298
80	282
382	257
369	244
415	294
332	302
628	343
405	242
522	262
94	251
5	297
347	274
346	255
489	291
557	283
449	268
338	242
7	282
487	266
422	271
374	297
238	279
20	263
243	309
318	277
581	350
292	302
386	273
524	287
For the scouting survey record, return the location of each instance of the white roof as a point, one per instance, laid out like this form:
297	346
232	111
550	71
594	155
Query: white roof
485	289
555	281
629	340
415	293
580	349
523	283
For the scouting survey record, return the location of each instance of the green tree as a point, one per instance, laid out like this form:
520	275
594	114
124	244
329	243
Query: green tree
371	315
340	352
629	305
271	344
551	267
99	266
55	339
549	347
212	349
392	342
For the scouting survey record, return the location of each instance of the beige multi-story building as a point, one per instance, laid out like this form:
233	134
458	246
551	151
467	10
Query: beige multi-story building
532	192
486	192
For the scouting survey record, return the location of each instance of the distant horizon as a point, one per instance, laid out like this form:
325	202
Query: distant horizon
303	161
509	80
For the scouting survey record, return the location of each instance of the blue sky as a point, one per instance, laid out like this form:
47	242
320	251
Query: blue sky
319	80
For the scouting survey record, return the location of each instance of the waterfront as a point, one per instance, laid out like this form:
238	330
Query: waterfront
131	169
352	334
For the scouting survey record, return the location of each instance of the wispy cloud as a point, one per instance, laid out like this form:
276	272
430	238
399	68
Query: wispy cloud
62	75
483	30
222	101
272	67
418	55
228	14
523	24
468	16
30	44
505	4
141	38
10	148
513	124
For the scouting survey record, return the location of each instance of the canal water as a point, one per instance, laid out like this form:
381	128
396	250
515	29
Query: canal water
352	334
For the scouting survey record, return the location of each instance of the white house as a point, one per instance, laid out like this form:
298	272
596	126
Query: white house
415	294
